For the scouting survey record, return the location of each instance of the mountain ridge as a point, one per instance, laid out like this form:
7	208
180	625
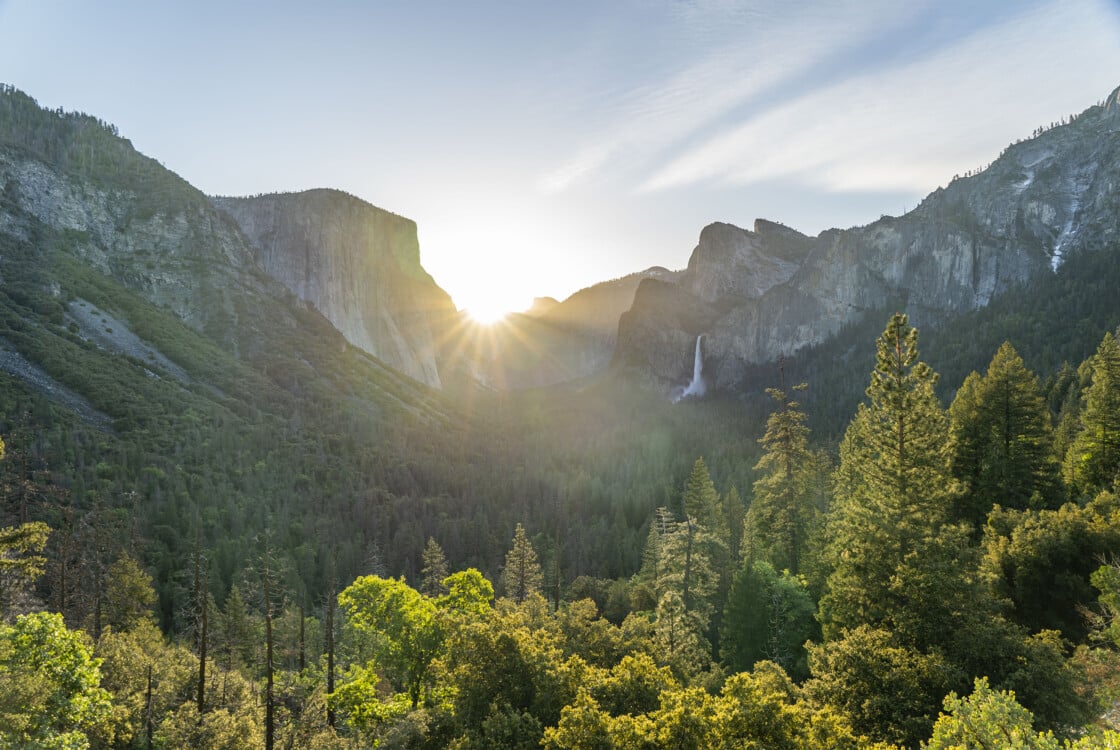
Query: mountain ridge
767	294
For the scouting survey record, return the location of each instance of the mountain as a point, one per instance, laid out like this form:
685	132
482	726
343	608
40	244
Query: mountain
763	294
105	249
555	342
167	386
359	266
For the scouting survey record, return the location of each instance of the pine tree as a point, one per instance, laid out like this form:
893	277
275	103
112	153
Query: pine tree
434	571
1093	461
1002	440
644	594
894	487
700	546
522	573
686	581
701	501
779	518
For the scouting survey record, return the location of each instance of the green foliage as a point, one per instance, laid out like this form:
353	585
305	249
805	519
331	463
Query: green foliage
701	501
49	686
893	486
214	730
1106	579
521	575
763	709
508	675
987	718
886	691
769	617
782	514
468	594
1042	560
411	636
1000	429
1093	460
21	562
991	718
434	570
685	584
129	595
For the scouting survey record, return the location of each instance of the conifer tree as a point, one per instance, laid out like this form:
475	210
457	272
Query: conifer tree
1002	440
736	518
686	581
779	516
701	501
1093	461
700	545
644	593
434	571
893	486
522	574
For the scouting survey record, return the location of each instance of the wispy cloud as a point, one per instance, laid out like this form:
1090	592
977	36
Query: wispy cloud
768	48
911	128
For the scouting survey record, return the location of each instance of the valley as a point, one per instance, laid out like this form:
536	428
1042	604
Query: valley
229	411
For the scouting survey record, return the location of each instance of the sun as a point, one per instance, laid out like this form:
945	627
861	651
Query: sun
487	312
486	300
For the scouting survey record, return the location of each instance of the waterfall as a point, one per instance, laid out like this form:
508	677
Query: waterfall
696	386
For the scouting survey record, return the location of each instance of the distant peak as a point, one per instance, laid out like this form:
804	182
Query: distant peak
1112	103
541	305
767	227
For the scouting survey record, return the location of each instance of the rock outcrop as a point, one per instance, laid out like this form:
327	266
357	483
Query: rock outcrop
122	213
761	294
359	266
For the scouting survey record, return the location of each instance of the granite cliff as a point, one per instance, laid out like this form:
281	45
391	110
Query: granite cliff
359	266
70	182
761	294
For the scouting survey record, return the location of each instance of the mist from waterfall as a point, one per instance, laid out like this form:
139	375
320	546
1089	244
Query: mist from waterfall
696	386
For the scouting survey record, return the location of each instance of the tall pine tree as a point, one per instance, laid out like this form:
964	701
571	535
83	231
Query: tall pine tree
1002	441
522	574
893	485
434	571
1093	461
779	518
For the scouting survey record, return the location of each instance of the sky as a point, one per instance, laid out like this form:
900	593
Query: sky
545	146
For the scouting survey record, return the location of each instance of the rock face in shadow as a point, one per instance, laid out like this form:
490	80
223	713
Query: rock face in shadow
761	294
359	266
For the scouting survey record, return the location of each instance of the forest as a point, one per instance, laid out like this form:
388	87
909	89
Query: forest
936	577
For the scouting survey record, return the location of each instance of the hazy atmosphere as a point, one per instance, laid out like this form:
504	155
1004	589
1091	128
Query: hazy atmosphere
542	147
817	448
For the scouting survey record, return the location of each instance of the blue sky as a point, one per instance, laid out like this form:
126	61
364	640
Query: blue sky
543	146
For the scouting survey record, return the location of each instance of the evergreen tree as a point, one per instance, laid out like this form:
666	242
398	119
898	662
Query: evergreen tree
736	519
434	571
686	581
21	562
1002	440
779	518
238	643
129	595
644	591
769	616
1093	461
893	486
522	574
701	501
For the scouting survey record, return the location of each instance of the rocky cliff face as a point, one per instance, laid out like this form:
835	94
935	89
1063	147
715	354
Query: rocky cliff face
359	266
69	183
761	294
138	223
